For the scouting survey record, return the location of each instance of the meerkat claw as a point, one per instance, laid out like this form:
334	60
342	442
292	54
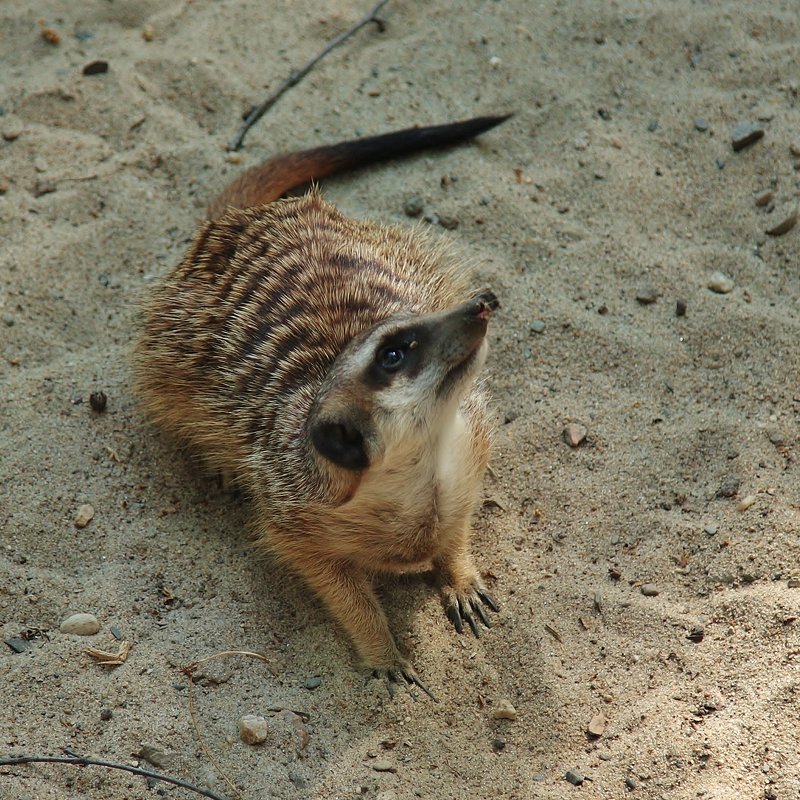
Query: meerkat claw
394	677
489	600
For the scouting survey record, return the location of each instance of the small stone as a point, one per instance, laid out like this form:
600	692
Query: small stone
631	784
80	624
253	729
680	308
95	67
498	744
649	590
574	777
597	725
696	634
12	132
746	133
784	226
711	529
413	206
581	141
720	283
42	187
98	400
155	756
447	222
504	710
84	516
574	434
729	487
4	185
652	126
106	714
18	644
647	296
746	502
8	320
383	765
701	124
50	35
537	326
605	755
764	198
313	683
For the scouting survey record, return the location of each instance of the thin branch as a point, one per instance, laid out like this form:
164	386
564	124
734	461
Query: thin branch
80	761
298	74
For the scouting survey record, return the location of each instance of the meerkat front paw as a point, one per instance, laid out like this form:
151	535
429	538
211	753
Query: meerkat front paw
467	605
401	672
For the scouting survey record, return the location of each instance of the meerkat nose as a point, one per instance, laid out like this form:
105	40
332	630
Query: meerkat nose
484	304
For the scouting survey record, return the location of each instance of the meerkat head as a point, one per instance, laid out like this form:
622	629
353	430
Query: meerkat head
397	381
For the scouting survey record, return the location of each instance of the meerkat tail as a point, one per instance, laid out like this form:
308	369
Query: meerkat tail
281	174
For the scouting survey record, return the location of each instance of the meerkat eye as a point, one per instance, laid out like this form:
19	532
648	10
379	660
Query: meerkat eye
391	358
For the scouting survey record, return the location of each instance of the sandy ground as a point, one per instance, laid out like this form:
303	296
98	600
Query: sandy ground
615	178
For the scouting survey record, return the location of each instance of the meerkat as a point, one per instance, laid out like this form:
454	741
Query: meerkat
329	366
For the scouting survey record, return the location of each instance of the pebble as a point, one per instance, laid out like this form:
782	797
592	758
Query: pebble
729	487
574	777
696	634
106	714
720	283
156	756
313	683
574	434
383	765
746	133
80	624
447	222
95	67
253	729
764	198
98	401
647	296
504	710
597	725
746	502
8	320
18	644
680	308
84	516
701	124
12	132
631	783
581	141
711	529
784	226
413	206
498	744
537	326
650	590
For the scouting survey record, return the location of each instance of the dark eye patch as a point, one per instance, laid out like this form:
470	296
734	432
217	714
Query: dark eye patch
398	353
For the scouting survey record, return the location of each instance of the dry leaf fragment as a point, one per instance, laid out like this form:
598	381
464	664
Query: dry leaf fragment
108	659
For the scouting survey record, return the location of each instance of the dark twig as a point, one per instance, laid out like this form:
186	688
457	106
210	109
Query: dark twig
298	74
81	761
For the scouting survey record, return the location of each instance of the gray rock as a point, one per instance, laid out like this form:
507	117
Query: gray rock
785	225
701	124
647	295
383	765
313	683
537	326
745	134
650	590
413	206
80	624
575	777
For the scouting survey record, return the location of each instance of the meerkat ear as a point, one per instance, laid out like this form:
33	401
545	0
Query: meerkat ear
342	441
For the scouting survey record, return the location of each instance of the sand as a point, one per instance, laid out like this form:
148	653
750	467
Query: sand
615	178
